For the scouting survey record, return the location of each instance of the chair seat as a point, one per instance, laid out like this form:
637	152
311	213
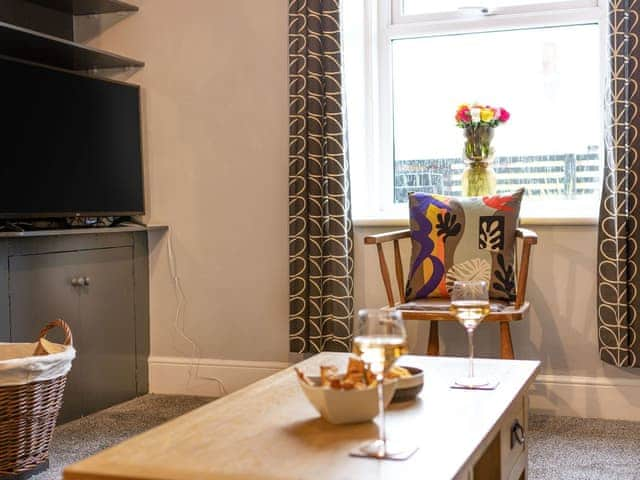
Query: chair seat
438	309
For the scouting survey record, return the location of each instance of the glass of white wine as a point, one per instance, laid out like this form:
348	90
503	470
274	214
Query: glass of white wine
381	338
470	304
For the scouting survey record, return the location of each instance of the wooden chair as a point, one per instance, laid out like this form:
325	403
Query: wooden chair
437	309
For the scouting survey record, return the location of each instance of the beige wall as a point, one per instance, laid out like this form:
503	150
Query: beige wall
215	140
214	94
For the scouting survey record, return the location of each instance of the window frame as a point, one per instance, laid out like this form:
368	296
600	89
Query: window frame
385	23
398	17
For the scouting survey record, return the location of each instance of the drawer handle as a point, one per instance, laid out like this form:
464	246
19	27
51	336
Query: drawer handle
517	434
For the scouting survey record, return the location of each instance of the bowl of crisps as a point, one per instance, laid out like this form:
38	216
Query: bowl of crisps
350	397
410	383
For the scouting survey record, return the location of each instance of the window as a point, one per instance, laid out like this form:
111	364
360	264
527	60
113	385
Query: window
410	63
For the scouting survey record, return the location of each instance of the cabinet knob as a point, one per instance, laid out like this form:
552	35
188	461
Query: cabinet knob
80	281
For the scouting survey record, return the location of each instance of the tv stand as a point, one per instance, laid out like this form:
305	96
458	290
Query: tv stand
109	316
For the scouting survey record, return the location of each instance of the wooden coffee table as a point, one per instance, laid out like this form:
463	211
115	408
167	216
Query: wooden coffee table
269	431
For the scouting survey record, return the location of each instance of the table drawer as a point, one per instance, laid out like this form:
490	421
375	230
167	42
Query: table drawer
512	436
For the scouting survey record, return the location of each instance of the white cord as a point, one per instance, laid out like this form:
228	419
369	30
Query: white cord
196	358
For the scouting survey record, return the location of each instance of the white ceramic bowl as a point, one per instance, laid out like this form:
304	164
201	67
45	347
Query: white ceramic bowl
347	406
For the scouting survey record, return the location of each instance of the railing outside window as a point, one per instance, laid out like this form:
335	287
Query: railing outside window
569	176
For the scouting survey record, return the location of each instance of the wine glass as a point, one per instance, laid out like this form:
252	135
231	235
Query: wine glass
470	304
380	340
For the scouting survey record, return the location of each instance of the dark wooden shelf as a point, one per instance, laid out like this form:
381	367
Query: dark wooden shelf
124	227
87	7
38	47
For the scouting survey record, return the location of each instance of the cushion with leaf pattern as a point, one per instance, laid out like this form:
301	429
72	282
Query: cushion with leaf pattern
462	238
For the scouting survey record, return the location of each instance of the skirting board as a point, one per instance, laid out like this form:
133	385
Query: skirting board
587	397
206	377
590	397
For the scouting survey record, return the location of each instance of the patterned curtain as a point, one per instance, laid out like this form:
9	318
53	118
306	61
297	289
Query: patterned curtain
320	229
618	279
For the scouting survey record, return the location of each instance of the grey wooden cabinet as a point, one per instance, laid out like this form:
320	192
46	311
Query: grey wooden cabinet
107	309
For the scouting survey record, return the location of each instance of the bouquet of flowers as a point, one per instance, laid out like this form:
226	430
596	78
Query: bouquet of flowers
478	122
475	115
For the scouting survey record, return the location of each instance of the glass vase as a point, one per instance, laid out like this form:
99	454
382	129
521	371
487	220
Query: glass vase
478	177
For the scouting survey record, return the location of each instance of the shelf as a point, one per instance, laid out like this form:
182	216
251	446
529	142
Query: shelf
87	7
157	227
122	228
25	44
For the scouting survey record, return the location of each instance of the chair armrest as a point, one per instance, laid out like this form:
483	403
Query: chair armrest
387	237
527	235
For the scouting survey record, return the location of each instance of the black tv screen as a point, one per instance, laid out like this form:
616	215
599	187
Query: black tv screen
70	144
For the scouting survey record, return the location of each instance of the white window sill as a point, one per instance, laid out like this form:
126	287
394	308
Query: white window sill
540	212
525	221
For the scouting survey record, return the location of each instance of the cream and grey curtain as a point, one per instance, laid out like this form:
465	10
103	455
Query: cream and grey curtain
618	277
320	229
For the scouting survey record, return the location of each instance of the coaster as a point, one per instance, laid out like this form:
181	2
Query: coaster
397	455
491	385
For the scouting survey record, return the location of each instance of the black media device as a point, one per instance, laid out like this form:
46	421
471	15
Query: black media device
69	144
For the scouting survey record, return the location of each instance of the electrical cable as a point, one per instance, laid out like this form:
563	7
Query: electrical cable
196	358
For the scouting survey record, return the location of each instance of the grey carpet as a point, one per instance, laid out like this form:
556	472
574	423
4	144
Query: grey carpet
560	448
566	448
81	438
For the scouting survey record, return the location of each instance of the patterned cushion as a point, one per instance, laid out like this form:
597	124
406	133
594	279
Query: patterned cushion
469	238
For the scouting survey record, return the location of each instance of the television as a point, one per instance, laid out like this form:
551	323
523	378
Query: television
70	144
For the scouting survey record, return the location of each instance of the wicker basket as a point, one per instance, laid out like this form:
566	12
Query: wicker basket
28	416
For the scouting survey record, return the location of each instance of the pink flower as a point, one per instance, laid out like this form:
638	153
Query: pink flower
463	115
504	115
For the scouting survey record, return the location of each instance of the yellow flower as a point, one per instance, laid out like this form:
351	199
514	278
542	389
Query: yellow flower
486	114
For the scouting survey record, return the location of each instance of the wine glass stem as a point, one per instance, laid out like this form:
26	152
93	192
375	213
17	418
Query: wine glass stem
470	337
382	430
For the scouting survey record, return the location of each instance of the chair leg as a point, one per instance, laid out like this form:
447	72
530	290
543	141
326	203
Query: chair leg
506	346
433	348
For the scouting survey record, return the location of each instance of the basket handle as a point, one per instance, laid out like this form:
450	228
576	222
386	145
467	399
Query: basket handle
58	322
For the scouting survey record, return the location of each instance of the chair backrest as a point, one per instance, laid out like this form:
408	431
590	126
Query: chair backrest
527	237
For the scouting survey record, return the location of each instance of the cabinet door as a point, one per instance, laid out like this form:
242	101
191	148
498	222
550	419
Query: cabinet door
108	327
101	316
40	290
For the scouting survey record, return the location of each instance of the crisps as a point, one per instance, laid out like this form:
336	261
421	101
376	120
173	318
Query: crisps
398	372
303	377
328	373
357	377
